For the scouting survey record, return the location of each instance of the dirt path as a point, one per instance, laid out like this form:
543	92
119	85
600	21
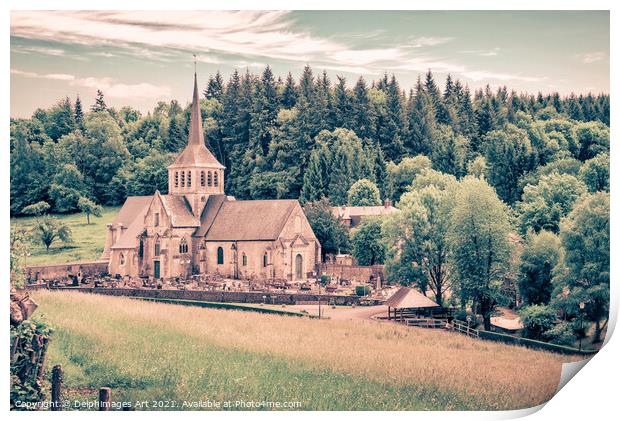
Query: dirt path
342	313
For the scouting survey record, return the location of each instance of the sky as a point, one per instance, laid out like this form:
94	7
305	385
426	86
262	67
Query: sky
142	57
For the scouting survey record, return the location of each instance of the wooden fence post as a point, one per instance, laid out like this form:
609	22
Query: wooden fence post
56	387
104	398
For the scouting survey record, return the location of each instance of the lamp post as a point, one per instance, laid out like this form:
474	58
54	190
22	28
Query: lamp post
582	305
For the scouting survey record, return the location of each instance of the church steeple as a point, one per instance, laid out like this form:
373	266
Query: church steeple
196	173
195	123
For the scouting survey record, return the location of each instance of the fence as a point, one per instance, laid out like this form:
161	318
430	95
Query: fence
465	329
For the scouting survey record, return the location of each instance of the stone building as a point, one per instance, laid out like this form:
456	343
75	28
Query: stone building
352	216
196	228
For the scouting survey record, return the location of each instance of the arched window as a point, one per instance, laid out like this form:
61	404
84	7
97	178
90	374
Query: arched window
189	179
220	256
203	199
182	178
202	179
265	260
141	249
244	260
122	259
209	179
183	248
157	247
299	263
215	179
176	179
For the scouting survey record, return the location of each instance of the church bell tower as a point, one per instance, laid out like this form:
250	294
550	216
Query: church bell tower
196	173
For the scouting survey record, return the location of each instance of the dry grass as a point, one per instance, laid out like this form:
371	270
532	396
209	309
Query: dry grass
471	373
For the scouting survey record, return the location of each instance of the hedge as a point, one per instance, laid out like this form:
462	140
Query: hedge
532	343
226	306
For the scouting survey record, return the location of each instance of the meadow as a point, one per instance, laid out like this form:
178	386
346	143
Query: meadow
155	351
88	239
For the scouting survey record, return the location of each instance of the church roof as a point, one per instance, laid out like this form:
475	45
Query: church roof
196	153
131	216
248	220
212	207
179	211
348	212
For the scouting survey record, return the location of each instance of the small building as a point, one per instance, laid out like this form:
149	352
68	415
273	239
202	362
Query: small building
352	216
407	302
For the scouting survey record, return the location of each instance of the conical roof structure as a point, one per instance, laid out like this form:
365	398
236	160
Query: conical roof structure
196	153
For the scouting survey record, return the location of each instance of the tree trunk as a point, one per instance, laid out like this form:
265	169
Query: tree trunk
597	332
87	218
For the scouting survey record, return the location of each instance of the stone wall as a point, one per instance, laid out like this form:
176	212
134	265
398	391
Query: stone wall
62	270
225	296
354	273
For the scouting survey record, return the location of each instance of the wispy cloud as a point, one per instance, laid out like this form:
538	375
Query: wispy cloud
111	87
420	42
485	75
589	58
22	49
482	53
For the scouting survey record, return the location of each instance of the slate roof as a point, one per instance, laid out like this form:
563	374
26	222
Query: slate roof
250	220
196	153
409	298
209	213
131	216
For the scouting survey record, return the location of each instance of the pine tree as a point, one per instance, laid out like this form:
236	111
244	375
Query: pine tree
174	140
289	94
99	104
421	122
342	104
215	87
315	177
361	116
79	114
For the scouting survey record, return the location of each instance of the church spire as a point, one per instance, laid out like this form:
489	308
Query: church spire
196	136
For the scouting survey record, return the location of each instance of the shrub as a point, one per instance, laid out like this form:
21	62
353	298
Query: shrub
325	279
537	319
362	290
561	334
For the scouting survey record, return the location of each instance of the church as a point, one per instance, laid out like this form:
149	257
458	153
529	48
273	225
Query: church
196	228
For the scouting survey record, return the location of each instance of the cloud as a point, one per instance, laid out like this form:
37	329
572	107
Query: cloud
478	75
22	49
109	86
482	53
429	41
589	58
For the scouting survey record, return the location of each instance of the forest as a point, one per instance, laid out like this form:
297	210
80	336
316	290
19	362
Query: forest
504	196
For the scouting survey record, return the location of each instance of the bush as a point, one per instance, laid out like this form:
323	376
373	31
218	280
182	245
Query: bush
561	334
362	290
537	319
325	279
461	314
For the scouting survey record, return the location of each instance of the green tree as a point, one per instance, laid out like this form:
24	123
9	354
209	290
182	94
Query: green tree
540	255
364	193
48	230
99	105
480	247
332	235
592	138
366	243
400	176
449	151
37	209
584	274
537	319
595	173
67	188
543	204
89	207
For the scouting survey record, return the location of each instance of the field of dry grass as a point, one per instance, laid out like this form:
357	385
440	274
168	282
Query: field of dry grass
175	352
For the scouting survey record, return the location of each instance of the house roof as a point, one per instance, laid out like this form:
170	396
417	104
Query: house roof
196	153
348	212
131	216
250	220
409	298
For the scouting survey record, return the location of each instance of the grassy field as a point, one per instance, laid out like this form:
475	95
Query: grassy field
155	351
88	240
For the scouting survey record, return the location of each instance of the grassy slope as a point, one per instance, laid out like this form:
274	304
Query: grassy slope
88	240
147	350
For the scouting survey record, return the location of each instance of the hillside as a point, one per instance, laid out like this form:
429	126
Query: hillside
152	351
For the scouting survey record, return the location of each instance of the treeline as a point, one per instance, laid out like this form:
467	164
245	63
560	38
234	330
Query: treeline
306	139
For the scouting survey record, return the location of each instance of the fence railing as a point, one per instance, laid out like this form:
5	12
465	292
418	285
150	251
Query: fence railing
465	329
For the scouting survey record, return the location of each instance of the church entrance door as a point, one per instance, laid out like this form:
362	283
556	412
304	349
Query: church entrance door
156	269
